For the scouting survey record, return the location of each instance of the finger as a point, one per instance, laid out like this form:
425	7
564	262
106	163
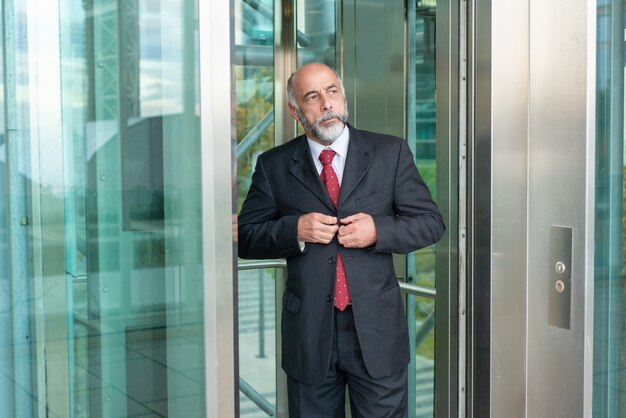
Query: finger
352	218
346	242
330	228
326	219
327	232
344	230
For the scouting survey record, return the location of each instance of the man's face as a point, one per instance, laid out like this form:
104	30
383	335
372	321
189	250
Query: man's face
321	104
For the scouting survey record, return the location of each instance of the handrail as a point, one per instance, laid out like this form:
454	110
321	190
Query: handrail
281	263
416	290
255	133
257	398
278	263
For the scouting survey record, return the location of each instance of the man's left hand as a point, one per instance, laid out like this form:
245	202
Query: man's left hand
357	231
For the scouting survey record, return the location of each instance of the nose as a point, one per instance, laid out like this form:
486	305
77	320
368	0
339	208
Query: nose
326	103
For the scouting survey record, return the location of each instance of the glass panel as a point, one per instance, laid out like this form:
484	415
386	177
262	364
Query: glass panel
6	362
257	342
105	181
421	137
422	374
421	121
609	362
254	78
317	31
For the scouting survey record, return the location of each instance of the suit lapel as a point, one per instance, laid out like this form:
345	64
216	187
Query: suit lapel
358	162
303	169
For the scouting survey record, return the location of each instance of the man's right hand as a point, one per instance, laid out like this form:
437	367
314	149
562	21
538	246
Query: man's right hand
317	227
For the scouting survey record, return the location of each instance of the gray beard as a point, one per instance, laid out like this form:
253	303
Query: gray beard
327	135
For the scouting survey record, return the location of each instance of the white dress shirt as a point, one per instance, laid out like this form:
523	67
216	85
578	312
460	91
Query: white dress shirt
340	146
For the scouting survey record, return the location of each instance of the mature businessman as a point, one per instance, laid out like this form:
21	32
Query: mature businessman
336	203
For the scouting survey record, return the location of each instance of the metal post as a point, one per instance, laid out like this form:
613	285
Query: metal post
261	315
411	308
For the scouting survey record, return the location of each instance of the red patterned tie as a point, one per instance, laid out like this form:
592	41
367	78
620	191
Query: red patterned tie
329	178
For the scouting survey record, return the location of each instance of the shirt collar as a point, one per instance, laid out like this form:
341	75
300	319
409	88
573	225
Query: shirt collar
339	145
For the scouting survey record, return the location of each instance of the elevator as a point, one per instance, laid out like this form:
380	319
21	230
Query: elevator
128	130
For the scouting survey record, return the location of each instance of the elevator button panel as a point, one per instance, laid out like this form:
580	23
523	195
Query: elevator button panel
560	277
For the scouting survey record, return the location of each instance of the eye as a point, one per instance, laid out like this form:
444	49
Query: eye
311	97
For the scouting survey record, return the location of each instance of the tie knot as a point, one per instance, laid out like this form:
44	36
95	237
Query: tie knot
326	156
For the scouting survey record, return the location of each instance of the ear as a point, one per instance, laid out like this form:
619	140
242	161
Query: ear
293	112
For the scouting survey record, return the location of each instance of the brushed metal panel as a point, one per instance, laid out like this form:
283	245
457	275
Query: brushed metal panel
509	60
558	174
373	64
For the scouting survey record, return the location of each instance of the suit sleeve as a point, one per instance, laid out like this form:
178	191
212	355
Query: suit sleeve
263	232
417	222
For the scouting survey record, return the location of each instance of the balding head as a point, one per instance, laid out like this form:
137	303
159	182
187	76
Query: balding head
317	100
307	70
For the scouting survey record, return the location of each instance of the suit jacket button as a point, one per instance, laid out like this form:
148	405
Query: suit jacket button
332	260
329	298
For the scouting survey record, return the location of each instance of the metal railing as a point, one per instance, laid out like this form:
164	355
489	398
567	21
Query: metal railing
257	398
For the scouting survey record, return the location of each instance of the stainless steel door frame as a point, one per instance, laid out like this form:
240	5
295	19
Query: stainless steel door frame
532	158
217	157
450	266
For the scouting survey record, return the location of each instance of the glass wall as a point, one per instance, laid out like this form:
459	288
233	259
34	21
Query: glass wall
254	107
421	136
609	363
259	370
101	272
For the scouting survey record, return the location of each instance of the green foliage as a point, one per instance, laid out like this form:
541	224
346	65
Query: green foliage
249	112
428	171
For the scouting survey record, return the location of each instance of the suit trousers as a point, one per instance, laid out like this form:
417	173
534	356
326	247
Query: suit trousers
369	398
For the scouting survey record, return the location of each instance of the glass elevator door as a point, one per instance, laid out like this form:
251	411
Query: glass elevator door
398	63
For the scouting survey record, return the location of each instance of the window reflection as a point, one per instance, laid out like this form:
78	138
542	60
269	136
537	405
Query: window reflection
106	180
254	102
317	31
421	120
422	377
610	242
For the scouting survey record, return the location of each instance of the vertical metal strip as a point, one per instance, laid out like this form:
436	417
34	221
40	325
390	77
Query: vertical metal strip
462	211
285	56
590	203
410	75
285	63
448	185
217	158
479	200
410	129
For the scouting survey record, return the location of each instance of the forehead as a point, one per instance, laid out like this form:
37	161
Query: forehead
314	78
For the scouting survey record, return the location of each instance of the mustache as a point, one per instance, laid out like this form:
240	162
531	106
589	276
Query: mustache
331	115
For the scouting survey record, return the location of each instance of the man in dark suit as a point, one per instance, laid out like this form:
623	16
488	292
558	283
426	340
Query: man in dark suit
343	320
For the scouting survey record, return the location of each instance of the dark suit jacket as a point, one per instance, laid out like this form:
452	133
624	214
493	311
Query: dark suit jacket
380	178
